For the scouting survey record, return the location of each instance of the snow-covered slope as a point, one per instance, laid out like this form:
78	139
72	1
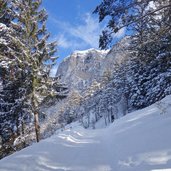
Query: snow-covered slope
140	141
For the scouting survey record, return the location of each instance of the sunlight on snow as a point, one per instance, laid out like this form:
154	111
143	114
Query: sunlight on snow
148	112
151	158
49	165
77	141
78	133
161	169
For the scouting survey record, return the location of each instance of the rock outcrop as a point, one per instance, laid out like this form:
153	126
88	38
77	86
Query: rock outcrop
92	93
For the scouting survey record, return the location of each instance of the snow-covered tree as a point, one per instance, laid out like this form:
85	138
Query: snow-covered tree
147	70
120	14
6	14
26	57
30	23
12	82
150	59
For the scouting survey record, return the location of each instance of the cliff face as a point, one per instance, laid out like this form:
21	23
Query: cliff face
92	94
82	68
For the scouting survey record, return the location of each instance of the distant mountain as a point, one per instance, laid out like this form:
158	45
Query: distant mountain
88	75
81	68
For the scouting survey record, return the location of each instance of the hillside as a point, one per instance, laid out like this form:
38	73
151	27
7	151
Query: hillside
89	76
139	141
87	88
82	68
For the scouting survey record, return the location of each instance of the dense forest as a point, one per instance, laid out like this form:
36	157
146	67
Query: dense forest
147	70
26	57
140	71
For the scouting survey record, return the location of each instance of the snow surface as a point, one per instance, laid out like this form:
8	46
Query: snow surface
83	53
89	50
140	141
3	27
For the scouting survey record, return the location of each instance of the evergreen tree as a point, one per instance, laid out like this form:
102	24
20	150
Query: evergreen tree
148	67
26	58
6	14
12	91
31	26
150	60
123	13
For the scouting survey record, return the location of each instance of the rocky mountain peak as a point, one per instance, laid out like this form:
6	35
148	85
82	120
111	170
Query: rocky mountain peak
88	75
81	68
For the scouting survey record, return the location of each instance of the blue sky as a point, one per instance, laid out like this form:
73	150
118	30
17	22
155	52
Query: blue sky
73	25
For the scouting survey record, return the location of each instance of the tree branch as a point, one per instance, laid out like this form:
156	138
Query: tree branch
140	18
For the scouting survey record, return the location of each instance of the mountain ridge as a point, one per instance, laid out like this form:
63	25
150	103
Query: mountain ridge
88	75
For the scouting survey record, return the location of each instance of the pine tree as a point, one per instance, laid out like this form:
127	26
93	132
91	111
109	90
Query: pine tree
127	14
26	59
12	91
32	30
149	63
6	14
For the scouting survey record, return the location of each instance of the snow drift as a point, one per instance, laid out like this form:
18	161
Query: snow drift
140	141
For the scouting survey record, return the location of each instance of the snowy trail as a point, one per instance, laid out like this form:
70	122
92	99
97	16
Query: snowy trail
140	141
69	150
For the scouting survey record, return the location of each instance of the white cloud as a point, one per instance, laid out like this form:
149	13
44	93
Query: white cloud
89	32
63	42
83	35
79	36
67	42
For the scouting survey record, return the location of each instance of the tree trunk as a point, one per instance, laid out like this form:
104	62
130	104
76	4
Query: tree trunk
169	11
125	104
37	127
35	111
105	119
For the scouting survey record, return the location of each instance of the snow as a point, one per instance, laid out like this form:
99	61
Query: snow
139	141
83	53
89	50
3	27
